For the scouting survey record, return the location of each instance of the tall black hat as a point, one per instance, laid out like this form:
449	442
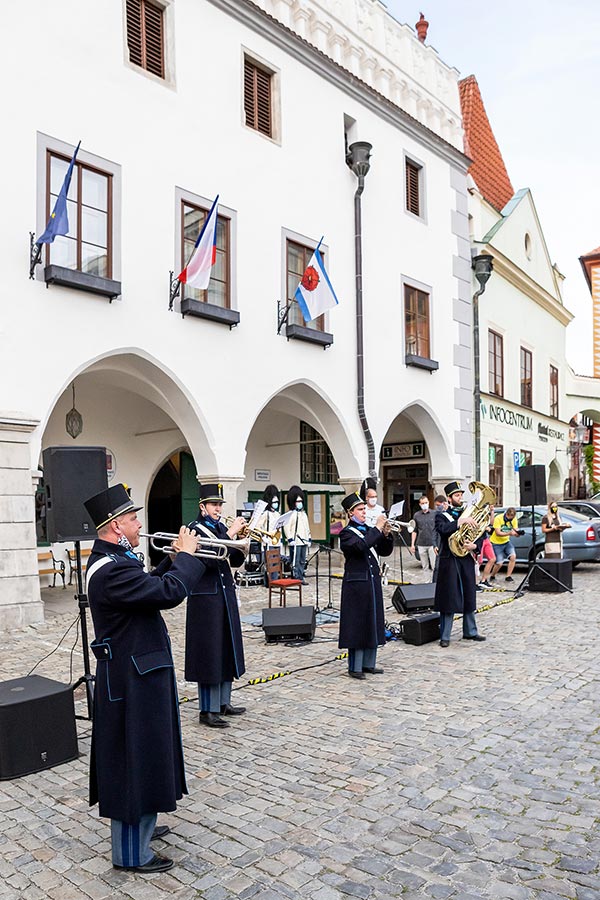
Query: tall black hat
108	504
352	500
453	487
294	493
369	484
211	493
270	492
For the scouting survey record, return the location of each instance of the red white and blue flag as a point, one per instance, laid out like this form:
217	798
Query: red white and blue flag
315	293
197	272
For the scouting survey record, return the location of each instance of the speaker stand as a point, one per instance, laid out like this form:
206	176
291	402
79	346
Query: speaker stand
87	678
524	585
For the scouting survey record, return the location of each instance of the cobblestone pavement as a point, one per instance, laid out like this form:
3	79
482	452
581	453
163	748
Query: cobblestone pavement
468	772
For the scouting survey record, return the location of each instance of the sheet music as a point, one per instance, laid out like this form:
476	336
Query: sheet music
283	520
259	508
396	510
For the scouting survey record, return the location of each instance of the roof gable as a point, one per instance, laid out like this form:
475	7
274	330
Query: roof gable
488	169
518	235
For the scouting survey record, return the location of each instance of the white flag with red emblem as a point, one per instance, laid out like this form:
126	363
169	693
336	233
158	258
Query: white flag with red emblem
315	294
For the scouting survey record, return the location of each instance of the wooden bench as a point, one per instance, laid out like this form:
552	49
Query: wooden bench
72	554
54	567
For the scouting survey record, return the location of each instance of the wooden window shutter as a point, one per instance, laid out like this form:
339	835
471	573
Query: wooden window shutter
257	97
145	36
413	204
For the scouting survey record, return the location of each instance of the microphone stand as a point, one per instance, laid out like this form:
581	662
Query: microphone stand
87	678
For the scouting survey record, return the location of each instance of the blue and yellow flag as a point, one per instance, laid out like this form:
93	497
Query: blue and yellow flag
58	223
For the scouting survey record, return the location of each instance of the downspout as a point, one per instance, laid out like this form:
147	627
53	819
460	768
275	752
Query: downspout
358	159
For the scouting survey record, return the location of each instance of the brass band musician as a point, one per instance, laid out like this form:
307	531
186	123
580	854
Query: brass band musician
455	584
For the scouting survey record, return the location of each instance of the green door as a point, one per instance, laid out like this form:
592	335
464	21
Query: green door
189	489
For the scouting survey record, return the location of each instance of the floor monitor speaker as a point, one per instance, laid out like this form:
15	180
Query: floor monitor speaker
289	623
71	476
532	483
409	597
559	569
37	725
421	629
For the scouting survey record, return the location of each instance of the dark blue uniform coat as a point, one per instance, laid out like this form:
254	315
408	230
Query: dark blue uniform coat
136	765
455	585
214	651
362	625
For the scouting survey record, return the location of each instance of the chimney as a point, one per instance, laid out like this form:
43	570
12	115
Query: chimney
422	26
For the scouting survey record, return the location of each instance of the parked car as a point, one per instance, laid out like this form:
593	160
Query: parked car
581	542
588	508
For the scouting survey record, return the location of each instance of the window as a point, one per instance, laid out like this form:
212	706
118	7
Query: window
525	458
496	361
554	392
145	36
526	378
298	257
258	97
317	465
416	322
413	186
88	245
496	462
219	289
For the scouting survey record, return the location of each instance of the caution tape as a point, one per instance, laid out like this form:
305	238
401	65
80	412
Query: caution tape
268	678
343	655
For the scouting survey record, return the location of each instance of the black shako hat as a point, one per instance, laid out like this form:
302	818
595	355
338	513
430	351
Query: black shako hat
351	501
294	493
453	487
107	505
269	493
369	484
211	493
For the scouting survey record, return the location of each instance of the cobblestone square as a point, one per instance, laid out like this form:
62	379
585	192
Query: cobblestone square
468	772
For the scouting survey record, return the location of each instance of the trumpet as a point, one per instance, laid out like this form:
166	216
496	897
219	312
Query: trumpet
257	534
207	548
396	525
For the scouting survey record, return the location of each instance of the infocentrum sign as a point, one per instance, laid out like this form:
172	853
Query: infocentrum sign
505	416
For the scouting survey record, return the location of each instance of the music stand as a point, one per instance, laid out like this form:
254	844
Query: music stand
524	585
315	556
87	678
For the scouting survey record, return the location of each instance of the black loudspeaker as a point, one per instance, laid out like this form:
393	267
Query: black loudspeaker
410	597
37	725
561	569
532	483
289	623
421	629
71	476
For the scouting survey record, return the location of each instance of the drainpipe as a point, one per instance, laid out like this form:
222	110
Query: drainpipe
483	266
358	159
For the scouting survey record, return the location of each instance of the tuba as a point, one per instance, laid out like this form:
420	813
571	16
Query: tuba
480	511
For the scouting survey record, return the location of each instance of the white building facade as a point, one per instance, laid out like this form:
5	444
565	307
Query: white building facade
259	105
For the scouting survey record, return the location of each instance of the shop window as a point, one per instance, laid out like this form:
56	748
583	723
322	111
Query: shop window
496	471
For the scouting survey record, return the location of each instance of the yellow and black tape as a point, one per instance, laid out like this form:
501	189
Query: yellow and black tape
268	678
343	655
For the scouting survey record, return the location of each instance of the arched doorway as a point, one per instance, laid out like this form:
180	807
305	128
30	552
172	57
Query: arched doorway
414	459
173	497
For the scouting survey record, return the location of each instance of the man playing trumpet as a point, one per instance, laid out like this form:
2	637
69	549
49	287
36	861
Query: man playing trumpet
214	651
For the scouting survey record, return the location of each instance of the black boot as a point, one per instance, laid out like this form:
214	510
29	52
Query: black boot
213	720
229	710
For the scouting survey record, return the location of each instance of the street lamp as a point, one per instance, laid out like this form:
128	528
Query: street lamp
483	265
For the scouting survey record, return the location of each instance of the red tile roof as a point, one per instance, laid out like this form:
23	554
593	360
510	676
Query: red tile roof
488	169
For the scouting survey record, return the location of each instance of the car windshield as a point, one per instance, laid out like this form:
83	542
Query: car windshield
570	514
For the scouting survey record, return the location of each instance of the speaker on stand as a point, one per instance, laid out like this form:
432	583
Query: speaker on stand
71	476
532	486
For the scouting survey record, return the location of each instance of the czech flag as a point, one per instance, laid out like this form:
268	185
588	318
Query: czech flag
315	294
197	272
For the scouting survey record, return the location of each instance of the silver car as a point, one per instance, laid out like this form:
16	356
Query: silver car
581	542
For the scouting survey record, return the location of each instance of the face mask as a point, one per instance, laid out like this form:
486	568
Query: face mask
372	501
123	542
554	509
299	504
424	505
275	504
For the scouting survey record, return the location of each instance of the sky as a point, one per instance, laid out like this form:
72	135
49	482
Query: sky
538	69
